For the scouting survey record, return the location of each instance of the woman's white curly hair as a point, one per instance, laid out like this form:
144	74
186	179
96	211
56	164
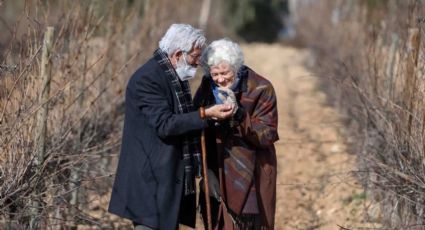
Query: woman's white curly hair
181	37
223	50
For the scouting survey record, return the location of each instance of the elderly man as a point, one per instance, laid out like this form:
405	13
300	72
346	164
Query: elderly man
154	184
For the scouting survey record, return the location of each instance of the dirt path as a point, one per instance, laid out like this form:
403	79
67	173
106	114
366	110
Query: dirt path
315	188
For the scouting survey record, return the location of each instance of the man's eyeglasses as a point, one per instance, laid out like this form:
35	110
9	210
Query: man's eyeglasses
193	56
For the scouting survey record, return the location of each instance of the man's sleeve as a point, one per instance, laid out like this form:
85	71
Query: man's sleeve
151	100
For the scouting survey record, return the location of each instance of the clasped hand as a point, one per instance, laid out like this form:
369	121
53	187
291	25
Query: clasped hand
225	110
228	97
219	112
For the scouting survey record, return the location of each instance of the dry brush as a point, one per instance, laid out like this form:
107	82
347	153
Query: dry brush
62	175
370	57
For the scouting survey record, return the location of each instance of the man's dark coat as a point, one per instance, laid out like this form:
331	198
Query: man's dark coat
149	181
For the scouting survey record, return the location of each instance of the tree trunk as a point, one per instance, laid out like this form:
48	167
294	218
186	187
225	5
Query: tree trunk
41	126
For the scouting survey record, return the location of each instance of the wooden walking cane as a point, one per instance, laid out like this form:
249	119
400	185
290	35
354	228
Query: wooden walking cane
206	188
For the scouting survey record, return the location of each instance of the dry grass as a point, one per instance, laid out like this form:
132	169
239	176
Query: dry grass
367	60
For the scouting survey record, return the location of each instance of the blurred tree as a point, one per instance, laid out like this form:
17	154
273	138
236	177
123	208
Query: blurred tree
376	10
254	20
374	4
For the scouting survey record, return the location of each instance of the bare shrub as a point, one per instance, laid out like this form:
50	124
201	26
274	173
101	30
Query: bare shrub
371	60
97	45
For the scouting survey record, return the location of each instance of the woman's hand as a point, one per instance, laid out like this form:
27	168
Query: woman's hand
228	97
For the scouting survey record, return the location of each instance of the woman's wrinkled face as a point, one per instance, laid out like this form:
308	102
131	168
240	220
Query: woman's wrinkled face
222	74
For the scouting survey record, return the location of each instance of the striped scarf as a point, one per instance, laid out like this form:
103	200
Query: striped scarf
191	153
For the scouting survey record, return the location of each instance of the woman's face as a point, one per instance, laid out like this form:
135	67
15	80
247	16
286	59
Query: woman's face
222	74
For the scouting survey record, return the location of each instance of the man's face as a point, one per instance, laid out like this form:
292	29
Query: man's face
192	57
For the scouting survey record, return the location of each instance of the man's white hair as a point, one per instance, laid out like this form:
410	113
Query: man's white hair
181	37
223	50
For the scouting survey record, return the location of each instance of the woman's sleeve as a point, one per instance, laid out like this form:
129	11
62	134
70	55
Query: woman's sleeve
260	127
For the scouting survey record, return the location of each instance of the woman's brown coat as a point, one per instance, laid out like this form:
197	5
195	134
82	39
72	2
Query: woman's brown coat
251	138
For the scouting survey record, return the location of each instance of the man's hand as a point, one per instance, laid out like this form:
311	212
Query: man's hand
219	112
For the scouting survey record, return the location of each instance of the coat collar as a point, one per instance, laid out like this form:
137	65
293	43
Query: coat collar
243	74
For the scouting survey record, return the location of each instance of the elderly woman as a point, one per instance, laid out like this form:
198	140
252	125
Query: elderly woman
240	150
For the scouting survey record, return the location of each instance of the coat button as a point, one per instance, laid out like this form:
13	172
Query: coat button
178	181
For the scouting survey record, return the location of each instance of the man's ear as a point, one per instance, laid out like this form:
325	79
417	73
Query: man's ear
177	54
175	57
